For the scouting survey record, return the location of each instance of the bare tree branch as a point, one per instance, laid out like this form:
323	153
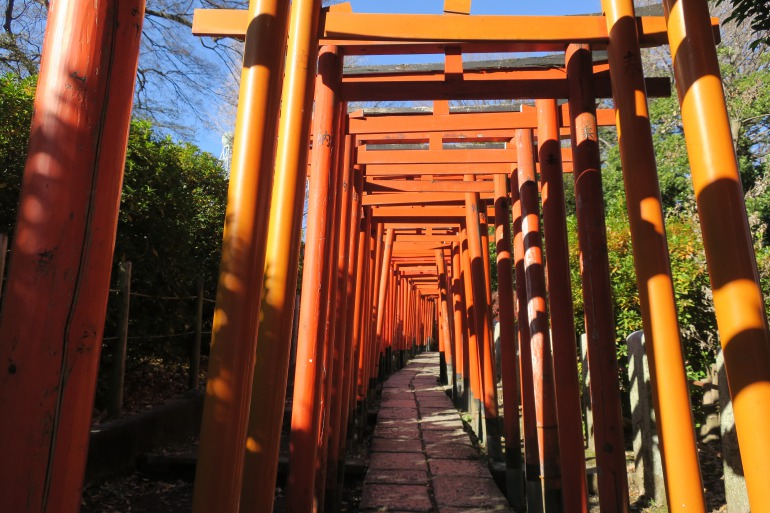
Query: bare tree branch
8	16
169	16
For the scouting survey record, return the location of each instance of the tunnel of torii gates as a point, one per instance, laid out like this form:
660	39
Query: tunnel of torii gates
396	247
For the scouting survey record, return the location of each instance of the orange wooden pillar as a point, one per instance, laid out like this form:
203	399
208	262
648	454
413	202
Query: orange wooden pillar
385	273
308	393
442	306
405	345
407	318
429	334
671	398
364	388
451	350
484	232
394	341
599	318
417	319
738	302
339	317
355	276
410	318
432	314
489	369
505	295
268	392
567	384
363	383
408	346
422	328
59	271
356	327
442	373
363	352
540	340
430	342
373	353
471	333
429	324
400	312
531	446
384	335
329	308
389	332
462	367
483	328
419	328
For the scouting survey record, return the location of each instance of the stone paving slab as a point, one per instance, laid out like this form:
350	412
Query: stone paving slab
397	413
396	497
454	451
467	492
396	423
429	395
396	445
405	432
436	403
437	410
437	436
401	383
397	460
452	509
435	416
418	430
442	425
397	476
398	403
394	393
441	467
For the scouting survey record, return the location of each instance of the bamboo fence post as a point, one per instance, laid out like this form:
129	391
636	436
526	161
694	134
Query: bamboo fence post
195	350
3	251
118	370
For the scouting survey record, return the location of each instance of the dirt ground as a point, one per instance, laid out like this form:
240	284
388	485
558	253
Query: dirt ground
143	493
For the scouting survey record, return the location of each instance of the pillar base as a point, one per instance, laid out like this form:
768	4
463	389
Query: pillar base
442	374
534	490
492	437
514	483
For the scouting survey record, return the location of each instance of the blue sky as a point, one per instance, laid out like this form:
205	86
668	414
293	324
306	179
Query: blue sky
212	142
480	6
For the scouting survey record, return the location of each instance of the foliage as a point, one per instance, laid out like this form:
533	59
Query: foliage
169	225
492	257
688	266
16	98
757	13
747	90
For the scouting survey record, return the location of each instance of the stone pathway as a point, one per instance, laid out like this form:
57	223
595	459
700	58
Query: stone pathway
421	458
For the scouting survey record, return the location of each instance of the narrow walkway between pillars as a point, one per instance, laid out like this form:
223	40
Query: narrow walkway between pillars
421	458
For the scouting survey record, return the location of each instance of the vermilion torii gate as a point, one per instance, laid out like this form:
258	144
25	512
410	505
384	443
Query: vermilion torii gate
395	242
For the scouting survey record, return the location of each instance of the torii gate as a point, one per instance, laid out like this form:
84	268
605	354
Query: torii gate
625	37
51	363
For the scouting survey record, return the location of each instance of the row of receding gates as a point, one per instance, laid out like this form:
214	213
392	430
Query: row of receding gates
396	240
